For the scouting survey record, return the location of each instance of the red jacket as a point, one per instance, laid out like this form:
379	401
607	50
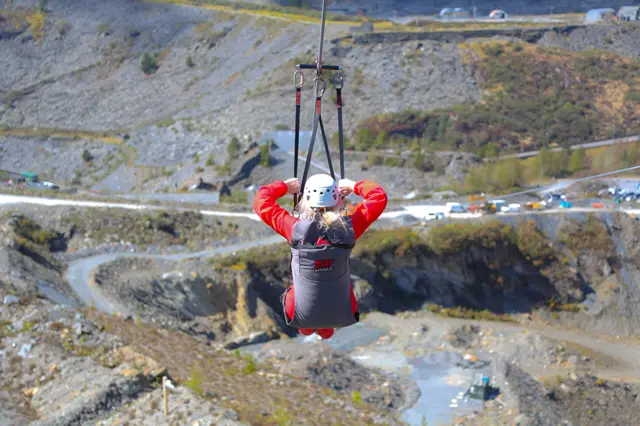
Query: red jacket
362	216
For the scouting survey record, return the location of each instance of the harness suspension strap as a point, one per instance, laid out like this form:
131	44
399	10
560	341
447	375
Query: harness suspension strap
326	148
297	137
314	132
340	134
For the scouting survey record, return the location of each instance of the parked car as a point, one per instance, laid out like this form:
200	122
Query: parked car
50	185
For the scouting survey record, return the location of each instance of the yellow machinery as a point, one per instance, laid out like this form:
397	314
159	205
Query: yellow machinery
532	206
479	204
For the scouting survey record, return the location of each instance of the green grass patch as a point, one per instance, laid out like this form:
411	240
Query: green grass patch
27	326
459	237
195	381
468	313
589	237
305	14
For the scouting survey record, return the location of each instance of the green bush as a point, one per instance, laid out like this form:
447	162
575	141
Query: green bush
374	159
468	313
195	381
189	62
233	149
34	233
265	155
589	237
236	197
211	160
525	98
86	156
533	245
149	65
62	26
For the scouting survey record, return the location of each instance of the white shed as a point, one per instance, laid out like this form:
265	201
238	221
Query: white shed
629	13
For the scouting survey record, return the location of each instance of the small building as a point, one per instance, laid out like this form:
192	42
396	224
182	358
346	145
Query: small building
629	13
30	177
498	14
600	15
366	27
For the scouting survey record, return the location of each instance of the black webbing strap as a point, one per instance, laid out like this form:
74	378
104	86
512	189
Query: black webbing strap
297	141
340	134
314	131
326	147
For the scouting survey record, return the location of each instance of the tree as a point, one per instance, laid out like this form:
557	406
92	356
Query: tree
373	159
190	62
477	179
265	155
149	65
418	161
86	156
507	174
543	162
381	139
491	151
577	161
364	139
233	148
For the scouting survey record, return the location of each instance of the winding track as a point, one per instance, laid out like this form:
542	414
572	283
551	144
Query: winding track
79	271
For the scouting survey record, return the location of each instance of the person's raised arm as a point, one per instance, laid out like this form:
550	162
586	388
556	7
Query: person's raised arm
265	205
375	201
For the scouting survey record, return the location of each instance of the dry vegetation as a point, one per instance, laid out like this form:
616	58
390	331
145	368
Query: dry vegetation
531	97
259	395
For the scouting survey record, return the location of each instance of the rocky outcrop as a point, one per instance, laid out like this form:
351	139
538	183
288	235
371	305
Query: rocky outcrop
573	268
623	40
192	297
26	257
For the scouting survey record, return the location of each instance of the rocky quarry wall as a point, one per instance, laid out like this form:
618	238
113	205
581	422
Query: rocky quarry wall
571	268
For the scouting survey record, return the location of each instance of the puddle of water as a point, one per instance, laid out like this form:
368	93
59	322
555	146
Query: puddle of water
442	385
442	388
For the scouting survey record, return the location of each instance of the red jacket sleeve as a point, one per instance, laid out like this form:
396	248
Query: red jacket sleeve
265	206
375	201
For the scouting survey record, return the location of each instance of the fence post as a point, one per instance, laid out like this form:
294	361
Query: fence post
165	396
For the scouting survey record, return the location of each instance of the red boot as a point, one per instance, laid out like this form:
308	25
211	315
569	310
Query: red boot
325	333
306	331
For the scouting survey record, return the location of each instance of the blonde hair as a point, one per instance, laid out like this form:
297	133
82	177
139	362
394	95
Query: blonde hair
330	217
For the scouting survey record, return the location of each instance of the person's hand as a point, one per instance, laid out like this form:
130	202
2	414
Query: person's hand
345	186
293	185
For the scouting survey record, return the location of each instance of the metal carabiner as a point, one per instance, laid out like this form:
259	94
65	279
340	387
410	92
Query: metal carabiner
295	79
338	80
319	91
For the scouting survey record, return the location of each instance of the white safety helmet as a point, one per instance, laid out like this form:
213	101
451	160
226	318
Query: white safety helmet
321	191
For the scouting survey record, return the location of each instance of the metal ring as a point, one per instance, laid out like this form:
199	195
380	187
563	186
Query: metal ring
295	79
338	80
320	93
